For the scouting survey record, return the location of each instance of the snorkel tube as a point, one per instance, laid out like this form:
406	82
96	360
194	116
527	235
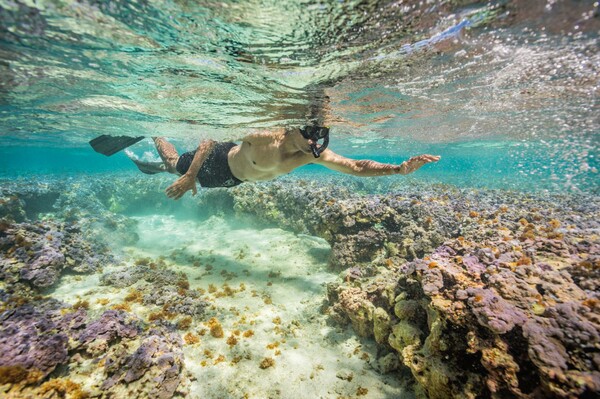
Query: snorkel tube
316	133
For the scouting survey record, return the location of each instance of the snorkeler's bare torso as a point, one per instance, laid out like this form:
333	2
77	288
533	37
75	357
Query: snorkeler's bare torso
266	155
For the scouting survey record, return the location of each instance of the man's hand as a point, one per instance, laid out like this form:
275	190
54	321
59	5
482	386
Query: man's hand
181	186
415	163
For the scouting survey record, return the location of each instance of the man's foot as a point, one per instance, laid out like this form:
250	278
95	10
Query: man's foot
149	168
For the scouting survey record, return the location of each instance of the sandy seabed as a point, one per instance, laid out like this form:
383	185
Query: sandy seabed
284	346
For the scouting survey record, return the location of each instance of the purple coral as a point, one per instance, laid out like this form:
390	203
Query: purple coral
32	339
111	325
156	365
493	312
40	252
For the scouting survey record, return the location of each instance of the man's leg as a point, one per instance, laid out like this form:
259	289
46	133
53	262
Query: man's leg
167	153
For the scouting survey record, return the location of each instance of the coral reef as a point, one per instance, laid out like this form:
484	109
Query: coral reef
153	370
407	222
161	287
359	228
111	326
67	226
494	312
12	208
154	272
474	293
39	252
35	340
103	200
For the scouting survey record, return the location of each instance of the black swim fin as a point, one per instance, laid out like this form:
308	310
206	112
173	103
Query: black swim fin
109	145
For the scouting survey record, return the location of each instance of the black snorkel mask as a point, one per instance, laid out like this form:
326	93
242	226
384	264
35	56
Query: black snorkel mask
316	133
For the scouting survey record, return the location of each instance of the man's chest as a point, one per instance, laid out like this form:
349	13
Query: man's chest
272	159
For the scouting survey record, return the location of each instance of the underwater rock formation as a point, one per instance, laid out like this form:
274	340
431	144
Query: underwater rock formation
175	300
112	325
33	339
475	293
97	204
36	338
359	228
38	253
12	208
102	199
145	269
153	370
160	286
492	313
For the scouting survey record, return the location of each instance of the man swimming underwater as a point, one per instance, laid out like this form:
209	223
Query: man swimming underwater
262	156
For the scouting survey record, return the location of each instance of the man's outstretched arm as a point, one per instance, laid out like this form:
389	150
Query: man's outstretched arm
188	181
366	167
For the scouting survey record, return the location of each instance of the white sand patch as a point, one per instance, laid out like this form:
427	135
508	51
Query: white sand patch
271	317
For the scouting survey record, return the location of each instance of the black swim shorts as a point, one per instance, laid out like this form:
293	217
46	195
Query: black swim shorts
215	171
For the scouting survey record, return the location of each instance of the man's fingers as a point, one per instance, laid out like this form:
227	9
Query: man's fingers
426	158
173	192
431	158
176	195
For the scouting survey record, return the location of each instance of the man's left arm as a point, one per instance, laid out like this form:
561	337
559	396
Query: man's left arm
367	167
188	180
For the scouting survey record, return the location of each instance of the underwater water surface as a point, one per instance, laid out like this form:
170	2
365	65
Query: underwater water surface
510	84
476	276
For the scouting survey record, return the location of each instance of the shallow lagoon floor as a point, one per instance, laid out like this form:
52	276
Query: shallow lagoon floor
274	311
296	289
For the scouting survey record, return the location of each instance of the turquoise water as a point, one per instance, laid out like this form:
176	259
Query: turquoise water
505	92
513	166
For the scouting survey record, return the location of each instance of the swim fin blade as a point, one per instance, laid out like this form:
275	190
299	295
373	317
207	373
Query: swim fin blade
109	145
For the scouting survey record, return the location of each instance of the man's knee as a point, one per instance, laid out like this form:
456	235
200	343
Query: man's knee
207	143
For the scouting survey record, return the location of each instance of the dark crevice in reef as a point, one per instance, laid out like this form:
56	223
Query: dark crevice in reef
43	203
528	377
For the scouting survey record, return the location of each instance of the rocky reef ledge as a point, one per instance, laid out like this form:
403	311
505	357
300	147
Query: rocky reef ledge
475	293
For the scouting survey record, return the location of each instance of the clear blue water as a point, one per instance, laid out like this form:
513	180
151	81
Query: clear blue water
503	165
506	92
